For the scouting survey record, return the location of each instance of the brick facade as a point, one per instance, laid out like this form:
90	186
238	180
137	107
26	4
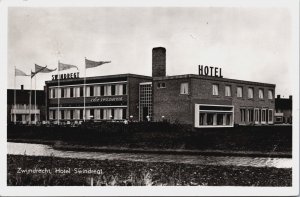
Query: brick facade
174	106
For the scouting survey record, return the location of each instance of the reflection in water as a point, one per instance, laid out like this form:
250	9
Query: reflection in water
45	150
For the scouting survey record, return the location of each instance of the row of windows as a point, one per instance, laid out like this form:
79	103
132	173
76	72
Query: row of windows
96	90
239	92
256	115
184	89
97	114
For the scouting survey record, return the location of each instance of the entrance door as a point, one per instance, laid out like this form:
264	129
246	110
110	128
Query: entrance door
145	113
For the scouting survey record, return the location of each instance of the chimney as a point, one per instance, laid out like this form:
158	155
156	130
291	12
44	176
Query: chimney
278	96
290	97
22	87
158	62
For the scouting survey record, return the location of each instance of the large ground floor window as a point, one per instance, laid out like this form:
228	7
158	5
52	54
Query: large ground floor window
213	115
260	116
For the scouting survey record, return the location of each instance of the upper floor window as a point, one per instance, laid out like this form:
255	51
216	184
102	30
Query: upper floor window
270	94
239	92
227	90
215	89
161	85
250	93
107	91
184	88
260	93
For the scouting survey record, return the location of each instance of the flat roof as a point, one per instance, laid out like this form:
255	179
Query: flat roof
212	79
88	79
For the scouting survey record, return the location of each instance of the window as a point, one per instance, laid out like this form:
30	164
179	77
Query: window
270	94
71	92
107	91
92	115
250	115
67	93
97	114
270	118
261	94
243	115
96	90
55	113
101	114
256	116
87	114
227	90
215	89
250	93
62	92
62	114
113	90
51	93
81	114
107	114
184	88
118	114
124	113
161	85
81	91
72	113
77	114
67	114
102	90
220	119
124	89
59	92
55	93
91	90
87	91
213	115
239	92
119	89
51	114
263	116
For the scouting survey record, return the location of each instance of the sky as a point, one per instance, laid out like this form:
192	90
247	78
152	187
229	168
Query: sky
248	43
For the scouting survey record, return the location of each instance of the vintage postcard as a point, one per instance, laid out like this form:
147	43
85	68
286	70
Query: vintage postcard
161	98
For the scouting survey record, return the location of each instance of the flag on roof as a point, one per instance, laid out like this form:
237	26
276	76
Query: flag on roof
92	64
62	66
41	69
18	72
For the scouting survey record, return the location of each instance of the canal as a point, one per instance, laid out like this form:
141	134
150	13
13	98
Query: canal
46	150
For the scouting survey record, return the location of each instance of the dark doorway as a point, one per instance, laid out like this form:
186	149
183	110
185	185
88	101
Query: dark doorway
145	113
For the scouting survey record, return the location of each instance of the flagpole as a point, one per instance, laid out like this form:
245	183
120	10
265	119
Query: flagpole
14	115
35	99
58	112
84	90
30	99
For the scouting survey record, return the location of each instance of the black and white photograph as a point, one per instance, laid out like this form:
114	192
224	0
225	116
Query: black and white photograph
111	97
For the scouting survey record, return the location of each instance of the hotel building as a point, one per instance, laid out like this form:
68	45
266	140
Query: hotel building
201	100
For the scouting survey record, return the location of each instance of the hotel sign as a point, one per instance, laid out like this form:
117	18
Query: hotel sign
210	71
66	76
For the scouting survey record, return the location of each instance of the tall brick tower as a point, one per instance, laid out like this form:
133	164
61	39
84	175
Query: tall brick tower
158	62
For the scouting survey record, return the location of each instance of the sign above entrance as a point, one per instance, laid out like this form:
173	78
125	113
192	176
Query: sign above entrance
210	71
66	76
